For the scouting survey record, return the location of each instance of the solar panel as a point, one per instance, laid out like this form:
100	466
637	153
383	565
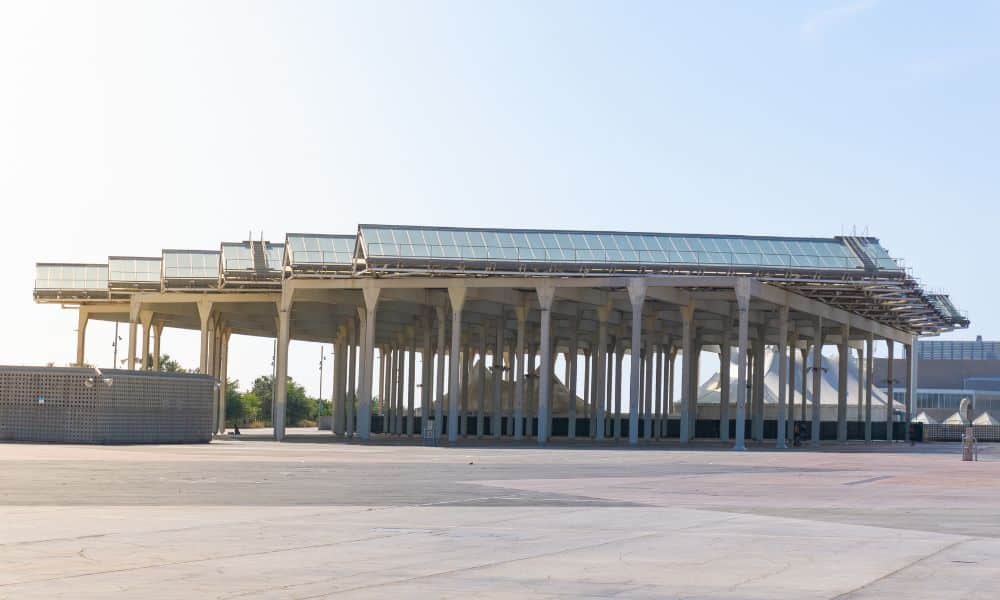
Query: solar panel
236	257
128	269
190	264
316	250
71	277
611	248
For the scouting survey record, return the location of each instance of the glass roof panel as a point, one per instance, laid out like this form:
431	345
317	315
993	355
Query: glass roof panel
317	250
71	277
237	257
190	264
133	269
616	247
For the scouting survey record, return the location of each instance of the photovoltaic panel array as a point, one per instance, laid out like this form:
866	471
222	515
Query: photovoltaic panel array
71	277
315	250
190	264
429	244
128	269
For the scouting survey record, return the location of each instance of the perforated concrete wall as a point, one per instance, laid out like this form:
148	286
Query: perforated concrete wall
48	404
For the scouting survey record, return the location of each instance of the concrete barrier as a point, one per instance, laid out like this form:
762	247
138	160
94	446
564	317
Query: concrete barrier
52	404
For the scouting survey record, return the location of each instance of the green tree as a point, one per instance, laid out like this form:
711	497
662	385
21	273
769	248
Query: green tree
251	407
298	406
168	364
235	413
263	390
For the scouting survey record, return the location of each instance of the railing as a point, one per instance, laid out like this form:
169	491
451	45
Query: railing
519	254
321	257
953	433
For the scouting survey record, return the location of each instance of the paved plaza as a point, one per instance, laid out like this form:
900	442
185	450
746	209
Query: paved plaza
314	518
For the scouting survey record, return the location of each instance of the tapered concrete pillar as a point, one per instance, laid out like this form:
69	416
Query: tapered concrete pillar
869	381
890	385
521	312
636	296
588	391
426	371
601	363
817	387
442	313
725	362
647	389
457	296
742	290
687	371
619	389
157	338
792	349
389	358
224	379
481	396
546	294
204	313
671	381
351	398
782	433
843	363
367	362
81	335
757	426
496	422
804	351
411	391
280	392
911	383
133	324
658	389
338	422
146	319
572	362
859	410
400	388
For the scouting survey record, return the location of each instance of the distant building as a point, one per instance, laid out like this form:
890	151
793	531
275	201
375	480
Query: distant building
948	371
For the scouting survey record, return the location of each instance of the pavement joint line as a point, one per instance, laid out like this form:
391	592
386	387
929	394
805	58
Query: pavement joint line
944	548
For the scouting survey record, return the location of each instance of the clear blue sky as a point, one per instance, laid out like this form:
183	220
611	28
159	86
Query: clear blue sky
127	127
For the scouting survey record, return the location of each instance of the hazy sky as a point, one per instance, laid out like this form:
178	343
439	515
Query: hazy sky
126	127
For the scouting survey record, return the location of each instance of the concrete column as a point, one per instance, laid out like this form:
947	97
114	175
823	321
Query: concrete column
911	383
647	390
687	371
869	380
481	399
400	386
389	359
522	316
133	335
146	318
791	383
890	383
367	362
671	381
725	361
572	363
531	407
81	335
457	296
758	385
351	397
338	421
619	360
224	378
546	294
588	397
411	392
817	407
782	434
496	422
463	407
426	369
601	370
843	352
280	392
157	337
804	351
441	312
636	296
204	312
860	409
742	290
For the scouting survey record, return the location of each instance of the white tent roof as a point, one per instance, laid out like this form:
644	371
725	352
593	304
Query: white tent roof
955	419
924	418
985	419
709	391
